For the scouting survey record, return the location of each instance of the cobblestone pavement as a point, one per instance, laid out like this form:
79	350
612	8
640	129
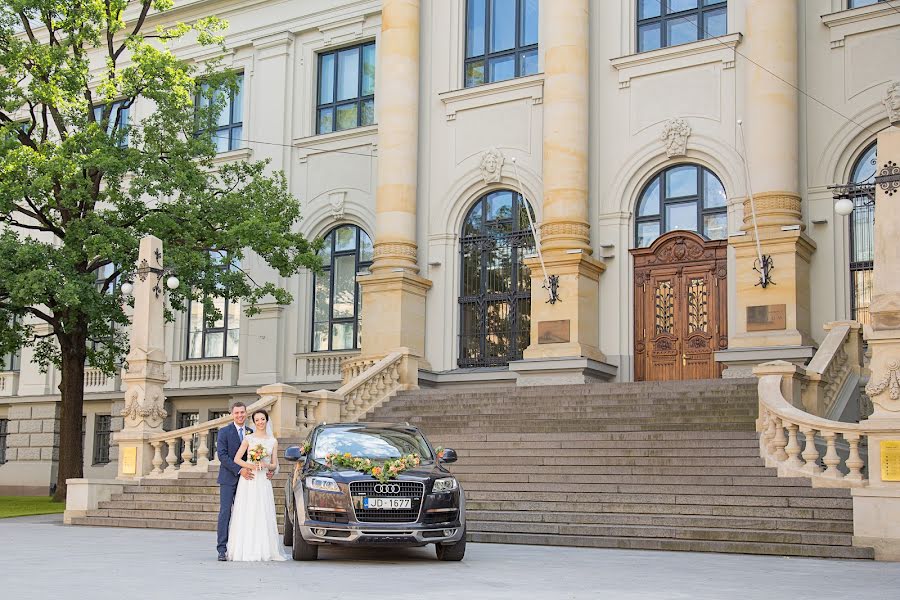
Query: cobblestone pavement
44	559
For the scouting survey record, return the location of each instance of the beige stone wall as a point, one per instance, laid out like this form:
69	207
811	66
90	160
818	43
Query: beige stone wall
632	96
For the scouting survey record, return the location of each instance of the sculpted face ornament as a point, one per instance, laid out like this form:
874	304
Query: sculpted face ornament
892	103
491	165
387	488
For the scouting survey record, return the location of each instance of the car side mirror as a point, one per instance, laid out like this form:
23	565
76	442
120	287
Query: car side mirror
448	455
294	453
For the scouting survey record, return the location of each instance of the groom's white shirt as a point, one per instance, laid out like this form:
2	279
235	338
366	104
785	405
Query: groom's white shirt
239	428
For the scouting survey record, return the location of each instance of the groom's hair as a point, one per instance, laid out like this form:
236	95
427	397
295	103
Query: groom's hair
259	412
237	404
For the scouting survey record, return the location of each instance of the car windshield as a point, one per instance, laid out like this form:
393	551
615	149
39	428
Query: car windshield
370	442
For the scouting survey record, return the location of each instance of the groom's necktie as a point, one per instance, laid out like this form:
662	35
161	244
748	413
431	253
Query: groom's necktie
241	431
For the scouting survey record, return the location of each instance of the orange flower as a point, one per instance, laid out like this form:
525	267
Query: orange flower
376	471
347	455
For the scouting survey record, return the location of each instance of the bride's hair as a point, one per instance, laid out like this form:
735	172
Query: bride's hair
259	412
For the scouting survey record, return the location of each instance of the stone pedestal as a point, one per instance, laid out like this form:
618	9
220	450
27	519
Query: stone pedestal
393	312
876	508
144	380
283	415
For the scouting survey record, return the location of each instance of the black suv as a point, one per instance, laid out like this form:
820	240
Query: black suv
329	504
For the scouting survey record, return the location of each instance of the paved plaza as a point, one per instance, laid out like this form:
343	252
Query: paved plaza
44	559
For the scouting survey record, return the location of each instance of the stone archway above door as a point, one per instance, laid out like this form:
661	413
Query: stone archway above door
680	307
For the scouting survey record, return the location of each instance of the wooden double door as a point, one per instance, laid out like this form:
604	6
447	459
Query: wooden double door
680	308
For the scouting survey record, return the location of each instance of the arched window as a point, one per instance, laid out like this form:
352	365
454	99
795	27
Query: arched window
337	304
688	197
495	293
862	236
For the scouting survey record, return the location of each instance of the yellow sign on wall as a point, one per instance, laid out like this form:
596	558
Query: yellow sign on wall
890	460
128	456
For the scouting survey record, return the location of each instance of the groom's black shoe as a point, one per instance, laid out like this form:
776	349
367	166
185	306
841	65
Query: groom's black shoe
222	557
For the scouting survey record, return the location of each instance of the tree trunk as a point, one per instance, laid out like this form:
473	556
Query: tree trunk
73	348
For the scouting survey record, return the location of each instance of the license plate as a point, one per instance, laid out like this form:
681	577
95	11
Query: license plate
387	503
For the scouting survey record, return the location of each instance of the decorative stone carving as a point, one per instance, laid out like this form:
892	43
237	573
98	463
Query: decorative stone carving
889	382
675	134
389	249
491	165
578	230
892	103
337	201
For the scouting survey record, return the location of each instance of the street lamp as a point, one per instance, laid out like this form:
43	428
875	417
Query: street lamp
144	269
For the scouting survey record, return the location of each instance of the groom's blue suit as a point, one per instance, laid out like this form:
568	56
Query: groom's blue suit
227	445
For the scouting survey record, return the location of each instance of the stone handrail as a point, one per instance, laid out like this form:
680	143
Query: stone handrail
185	435
372	382
835	370
782	425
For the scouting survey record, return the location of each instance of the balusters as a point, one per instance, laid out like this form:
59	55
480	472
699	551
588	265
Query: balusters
157	458
810	452
854	461
770	435
779	441
187	455
831	460
203	450
793	447
171	457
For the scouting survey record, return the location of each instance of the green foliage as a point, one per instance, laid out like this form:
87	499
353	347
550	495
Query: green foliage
78	191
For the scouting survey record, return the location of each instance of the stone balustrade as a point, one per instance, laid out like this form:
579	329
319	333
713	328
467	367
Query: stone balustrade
790	438
201	373
95	380
194	442
834	372
369	382
322	366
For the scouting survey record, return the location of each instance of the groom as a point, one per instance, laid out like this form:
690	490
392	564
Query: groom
228	443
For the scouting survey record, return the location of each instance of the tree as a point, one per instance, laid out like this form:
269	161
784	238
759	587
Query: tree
80	184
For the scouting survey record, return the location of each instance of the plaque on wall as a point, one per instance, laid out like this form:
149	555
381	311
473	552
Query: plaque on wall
767	317
890	460
128	456
553	332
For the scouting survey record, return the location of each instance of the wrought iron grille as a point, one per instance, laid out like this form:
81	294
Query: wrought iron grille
495	287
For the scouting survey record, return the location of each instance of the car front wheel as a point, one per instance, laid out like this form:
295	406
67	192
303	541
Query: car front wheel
452	552
302	549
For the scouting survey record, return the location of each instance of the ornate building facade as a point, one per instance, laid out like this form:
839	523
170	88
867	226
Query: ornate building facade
675	162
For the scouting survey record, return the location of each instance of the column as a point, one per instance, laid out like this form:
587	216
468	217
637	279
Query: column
778	314
876	508
145	377
565	229
394	294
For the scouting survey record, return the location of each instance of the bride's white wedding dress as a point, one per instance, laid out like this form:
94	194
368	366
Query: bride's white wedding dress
253	531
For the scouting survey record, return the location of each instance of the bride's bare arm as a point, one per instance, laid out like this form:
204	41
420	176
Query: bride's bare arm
273	466
237	457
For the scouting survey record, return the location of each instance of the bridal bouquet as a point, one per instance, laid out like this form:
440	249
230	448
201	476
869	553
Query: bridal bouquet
257	453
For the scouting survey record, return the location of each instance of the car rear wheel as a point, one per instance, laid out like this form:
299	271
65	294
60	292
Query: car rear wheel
302	550
288	538
452	552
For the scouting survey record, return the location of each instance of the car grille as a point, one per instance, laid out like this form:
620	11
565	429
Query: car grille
328	516
408	489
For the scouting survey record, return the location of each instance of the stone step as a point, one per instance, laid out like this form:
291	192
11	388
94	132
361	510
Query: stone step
602	499
837	514
567	427
436	409
749	452
654	387
579	436
651	531
662	520
571	471
748	443
678	491
164	515
148	523
633	543
512	479
653	461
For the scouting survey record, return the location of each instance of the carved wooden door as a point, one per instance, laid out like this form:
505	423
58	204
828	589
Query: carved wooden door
680	317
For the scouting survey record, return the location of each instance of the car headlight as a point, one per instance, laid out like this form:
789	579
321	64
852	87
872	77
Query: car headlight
323	484
447	484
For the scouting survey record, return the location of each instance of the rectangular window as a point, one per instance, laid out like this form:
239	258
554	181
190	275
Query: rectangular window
117	123
228	128
346	96
214	433
4	423
661	24
209	337
102	434
501	40
858	3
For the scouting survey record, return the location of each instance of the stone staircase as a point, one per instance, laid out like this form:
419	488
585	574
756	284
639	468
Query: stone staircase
656	465
191	501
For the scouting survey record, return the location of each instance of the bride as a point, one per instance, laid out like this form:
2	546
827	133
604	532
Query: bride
253	531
